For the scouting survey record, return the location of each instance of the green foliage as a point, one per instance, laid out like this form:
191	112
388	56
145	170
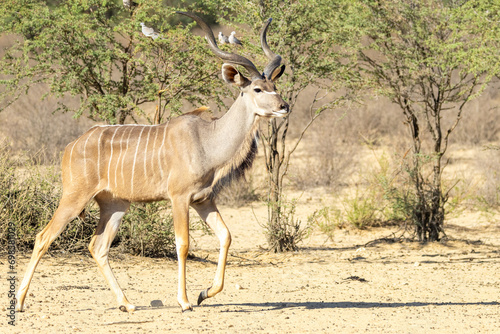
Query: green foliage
301	33
95	50
327	220
147	230
360	210
392	188
419	44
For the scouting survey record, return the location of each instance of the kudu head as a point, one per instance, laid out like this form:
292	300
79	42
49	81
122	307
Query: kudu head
259	90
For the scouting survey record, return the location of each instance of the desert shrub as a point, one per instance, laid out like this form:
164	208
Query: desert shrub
360	210
326	219
147	230
287	232
29	195
392	188
382	198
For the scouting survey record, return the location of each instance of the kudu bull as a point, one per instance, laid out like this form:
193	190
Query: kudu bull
187	160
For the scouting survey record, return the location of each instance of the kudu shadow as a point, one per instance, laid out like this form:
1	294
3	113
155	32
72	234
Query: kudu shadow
319	305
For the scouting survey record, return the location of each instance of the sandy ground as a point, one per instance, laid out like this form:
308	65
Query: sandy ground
342	285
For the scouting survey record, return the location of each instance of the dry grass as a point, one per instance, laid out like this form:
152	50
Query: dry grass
487	165
238	193
31	126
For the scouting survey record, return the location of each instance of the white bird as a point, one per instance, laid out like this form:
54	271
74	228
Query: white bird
149	32
233	39
223	39
129	4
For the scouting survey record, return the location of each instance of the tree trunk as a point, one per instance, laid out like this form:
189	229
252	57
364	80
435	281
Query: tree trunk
274	195
428	213
283	231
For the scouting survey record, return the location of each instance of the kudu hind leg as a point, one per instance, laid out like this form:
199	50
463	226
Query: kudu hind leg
209	213
67	210
111	213
180	210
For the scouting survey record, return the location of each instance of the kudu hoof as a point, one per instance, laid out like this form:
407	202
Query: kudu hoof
189	309
128	308
203	295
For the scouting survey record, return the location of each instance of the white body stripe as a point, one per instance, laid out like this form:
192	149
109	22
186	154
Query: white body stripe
71	157
123	160
99	158
135	160
154	148
111	154
119	156
146	153
85	155
161	150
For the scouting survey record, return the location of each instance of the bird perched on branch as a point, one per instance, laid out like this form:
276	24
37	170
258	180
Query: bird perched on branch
223	39
149	32
129	4
233	39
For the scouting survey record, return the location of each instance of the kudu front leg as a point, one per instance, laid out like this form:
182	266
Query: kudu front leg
181	227
209	213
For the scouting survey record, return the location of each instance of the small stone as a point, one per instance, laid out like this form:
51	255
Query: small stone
156	303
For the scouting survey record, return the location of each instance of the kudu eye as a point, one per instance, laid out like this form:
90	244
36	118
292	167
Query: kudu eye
257	90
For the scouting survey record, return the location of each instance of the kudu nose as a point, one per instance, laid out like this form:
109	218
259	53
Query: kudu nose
284	106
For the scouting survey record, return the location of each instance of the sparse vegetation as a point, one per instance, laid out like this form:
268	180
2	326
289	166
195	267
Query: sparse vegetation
327	220
29	196
289	231
407	185
238	193
147	230
430	58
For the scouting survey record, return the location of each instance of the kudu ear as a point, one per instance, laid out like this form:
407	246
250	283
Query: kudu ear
277	73
231	75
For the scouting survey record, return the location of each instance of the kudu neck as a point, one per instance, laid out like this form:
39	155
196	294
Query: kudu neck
231	133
